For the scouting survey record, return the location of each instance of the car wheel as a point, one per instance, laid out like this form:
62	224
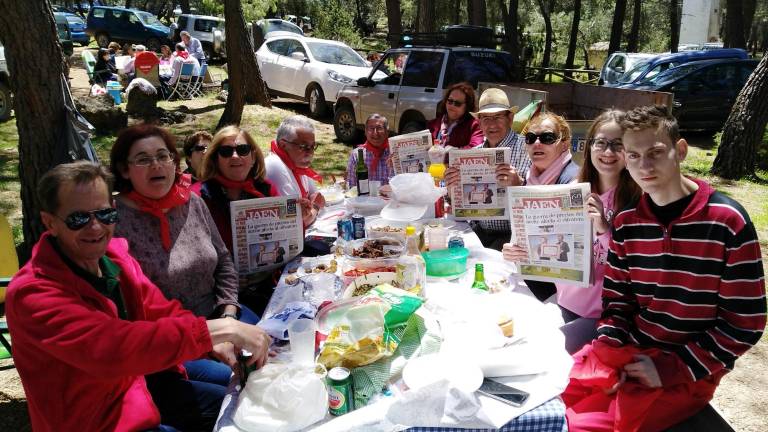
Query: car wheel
412	126
344	124
153	44
5	102
102	39
316	99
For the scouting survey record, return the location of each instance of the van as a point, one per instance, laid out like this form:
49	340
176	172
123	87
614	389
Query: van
649	68
107	24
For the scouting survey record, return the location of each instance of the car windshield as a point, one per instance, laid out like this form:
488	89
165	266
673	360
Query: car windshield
671	74
149	19
282	26
75	20
478	66
633	73
335	54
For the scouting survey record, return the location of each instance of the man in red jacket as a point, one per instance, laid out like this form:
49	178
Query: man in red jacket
87	325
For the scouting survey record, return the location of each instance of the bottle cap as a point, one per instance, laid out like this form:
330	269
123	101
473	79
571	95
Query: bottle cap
410	230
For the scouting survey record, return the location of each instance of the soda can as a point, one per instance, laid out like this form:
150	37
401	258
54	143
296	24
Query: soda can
340	228
456	242
341	396
358	225
345	230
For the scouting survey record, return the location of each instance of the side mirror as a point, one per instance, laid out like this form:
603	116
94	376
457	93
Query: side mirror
365	82
299	56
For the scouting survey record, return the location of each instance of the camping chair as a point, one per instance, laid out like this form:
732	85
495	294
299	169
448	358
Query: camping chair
197	84
89	61
9	265
183	84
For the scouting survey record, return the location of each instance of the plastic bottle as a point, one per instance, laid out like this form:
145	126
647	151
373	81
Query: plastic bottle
437	171
411	268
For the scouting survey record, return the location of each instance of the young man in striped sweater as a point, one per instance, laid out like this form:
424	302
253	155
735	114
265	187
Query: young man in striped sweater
683	298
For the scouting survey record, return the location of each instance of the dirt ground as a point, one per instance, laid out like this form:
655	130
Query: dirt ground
741	397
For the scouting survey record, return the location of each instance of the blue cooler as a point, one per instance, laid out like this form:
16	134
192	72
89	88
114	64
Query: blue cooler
114	88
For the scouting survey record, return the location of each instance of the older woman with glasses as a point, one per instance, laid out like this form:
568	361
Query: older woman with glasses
454	125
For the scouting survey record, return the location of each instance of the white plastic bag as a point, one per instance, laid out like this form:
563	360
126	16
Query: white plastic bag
143	85
415	188
281	398
97	90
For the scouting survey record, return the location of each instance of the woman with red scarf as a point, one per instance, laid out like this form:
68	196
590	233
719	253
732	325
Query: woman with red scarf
173	236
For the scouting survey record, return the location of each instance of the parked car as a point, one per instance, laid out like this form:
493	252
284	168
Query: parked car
77	28
270	25
407	83
618	63
122	25
209	30
651	67
309	69
704	91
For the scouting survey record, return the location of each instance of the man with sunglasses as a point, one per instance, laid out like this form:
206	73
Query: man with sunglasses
288	166
496	116
87	324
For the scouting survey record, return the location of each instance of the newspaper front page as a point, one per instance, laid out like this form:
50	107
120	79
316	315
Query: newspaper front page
551	223
478	196
266	233
409	152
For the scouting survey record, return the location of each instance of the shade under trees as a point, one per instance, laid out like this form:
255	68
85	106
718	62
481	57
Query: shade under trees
744	129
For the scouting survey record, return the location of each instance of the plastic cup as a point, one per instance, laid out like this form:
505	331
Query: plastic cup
437	238
301	334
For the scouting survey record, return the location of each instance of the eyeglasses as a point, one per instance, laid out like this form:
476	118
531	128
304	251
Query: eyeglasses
79	219
227	151
545	138
454	102
375	129
200	148
162	158
493	119
601	144
307	148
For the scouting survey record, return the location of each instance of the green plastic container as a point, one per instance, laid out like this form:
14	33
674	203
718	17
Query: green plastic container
446	262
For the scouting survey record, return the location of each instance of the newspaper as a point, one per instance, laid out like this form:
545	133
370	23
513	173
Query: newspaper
478	196
551	223
266	233
409	152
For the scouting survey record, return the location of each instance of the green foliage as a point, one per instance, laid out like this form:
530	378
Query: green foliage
333	20
252	9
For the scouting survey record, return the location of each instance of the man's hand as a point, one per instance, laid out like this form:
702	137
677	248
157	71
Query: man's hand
451	177
596	212
507	176
308	211
644	371
514	253
225	353
255	340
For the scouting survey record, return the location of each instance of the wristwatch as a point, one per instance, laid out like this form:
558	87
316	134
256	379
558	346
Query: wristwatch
229	315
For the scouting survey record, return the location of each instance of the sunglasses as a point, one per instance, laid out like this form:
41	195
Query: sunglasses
241	149
79	219
600	145
200	148
307	148
454	102
545	138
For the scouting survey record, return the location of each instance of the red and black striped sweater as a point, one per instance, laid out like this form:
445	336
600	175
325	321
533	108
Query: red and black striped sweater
694	289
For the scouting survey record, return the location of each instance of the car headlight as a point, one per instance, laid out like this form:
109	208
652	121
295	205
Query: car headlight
339	77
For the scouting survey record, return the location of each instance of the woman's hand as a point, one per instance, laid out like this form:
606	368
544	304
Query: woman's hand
644	371
225	353
514	253
615	387
506	175
451	177
385	191
596	212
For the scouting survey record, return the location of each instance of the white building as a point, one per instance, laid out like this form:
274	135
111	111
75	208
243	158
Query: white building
700	21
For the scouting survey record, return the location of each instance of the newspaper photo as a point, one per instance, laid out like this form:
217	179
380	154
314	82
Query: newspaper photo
551	223
478	196
266	233
409	152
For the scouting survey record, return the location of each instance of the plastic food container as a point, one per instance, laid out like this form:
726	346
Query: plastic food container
446	262
378	228
366	205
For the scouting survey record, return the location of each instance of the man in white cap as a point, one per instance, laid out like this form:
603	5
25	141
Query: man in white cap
495	116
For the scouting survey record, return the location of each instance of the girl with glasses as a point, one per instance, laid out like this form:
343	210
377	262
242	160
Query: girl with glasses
173	236
612	189
454	125
195	147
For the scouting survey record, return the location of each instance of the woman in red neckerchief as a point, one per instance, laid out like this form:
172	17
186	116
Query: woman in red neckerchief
232	170
173	236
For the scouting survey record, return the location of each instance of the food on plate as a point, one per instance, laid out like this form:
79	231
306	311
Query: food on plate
499	285
291	279
362	289
507	326
356	272
320	268
293	270
388	229
378	248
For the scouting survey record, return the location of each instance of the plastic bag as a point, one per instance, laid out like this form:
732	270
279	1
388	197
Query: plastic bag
415	188
143	85
97	90
281	398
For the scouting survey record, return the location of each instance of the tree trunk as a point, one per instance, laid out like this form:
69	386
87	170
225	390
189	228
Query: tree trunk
394	22
545	8
245	82
743	131
36	84
574	36
634	33
734	27
127	4
184	5
456	8
749	16
674	22
511	40
426	21
477	13
617	27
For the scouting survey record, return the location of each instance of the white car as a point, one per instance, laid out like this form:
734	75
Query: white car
309	69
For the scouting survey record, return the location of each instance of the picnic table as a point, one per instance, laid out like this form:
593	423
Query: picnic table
544	410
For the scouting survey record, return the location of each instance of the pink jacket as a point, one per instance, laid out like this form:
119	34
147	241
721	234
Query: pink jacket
81	366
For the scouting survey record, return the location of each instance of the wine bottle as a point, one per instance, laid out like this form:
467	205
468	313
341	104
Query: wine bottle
361	171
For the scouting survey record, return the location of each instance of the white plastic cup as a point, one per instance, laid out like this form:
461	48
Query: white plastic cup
437	238
373	186
301	334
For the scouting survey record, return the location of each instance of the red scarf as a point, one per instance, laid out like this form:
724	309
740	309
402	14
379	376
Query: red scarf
245	185
377	152
178	195
297	172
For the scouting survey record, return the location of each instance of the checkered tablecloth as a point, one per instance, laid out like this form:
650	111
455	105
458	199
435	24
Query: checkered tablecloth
547	417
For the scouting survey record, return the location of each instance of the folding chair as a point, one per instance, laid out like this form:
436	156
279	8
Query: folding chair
89	61
197	86
9	265
183	84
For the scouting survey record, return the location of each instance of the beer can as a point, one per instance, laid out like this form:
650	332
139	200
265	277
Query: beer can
341	396
358	226
456	242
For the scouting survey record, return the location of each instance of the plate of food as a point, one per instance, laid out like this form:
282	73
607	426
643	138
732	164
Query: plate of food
362	284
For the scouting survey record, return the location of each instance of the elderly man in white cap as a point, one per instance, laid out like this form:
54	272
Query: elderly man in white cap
495	116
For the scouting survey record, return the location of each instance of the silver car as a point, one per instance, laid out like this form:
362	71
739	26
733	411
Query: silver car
618	63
